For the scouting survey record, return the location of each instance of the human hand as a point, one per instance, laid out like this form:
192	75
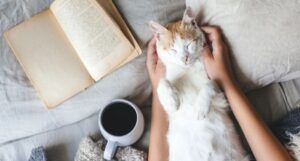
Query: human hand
156	69
217	62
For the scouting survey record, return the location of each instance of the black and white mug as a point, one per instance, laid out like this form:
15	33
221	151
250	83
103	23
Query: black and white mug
122	123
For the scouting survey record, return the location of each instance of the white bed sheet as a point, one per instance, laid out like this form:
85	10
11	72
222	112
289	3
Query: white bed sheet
22	113
62	144
271	102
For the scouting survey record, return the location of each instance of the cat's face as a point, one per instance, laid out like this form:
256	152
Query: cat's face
179	43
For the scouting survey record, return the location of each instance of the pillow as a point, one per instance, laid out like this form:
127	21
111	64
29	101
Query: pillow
138	13
264	36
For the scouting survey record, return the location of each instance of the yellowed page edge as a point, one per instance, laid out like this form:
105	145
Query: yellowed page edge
89	81
112	10
68	20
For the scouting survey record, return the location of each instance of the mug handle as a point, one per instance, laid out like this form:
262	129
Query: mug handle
110	150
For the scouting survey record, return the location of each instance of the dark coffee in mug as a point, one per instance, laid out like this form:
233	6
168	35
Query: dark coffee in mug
118	118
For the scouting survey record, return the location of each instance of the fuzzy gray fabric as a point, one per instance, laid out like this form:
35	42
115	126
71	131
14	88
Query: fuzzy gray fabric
38	154
90	151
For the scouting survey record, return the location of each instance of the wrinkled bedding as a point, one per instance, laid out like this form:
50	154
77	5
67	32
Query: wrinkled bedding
23	114
62	144
263	36
26	123
271	102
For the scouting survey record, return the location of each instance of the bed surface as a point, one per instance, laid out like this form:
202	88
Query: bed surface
61	144
271	102
25	123
19	103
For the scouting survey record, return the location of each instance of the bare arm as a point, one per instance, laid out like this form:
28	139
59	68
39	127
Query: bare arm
158	147
263	143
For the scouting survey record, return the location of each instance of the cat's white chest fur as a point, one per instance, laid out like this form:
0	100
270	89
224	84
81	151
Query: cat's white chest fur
187	88
199	125
183	85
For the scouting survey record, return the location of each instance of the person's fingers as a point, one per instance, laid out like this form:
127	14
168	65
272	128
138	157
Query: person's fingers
151	54
160	67
212	32
206	54
214	35
151	48
159	64
207	57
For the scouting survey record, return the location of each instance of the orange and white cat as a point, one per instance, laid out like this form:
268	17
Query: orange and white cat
199	124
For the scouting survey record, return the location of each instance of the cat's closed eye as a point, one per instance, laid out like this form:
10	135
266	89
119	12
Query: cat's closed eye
172	51
191	46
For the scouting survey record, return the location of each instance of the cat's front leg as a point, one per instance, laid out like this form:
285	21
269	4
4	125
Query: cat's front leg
168	96
204	100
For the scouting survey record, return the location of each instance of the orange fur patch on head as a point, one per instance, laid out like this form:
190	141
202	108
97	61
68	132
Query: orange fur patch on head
185	31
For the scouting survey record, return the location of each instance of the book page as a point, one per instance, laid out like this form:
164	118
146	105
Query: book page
113	12
98	41
48	59
111	9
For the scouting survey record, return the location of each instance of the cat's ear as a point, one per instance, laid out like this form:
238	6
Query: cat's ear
157	29
188	16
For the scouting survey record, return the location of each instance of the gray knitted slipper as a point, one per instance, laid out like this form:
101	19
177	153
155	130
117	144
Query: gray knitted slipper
93	151
37	154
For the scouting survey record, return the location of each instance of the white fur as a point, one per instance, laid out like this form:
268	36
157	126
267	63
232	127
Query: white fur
294	146
199	125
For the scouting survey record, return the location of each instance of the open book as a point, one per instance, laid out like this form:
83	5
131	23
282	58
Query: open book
70	46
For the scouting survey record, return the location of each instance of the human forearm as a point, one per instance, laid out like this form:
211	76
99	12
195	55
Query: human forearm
261	140
264	145
158	147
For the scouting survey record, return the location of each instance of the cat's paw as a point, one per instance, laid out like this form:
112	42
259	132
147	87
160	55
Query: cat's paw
168	96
